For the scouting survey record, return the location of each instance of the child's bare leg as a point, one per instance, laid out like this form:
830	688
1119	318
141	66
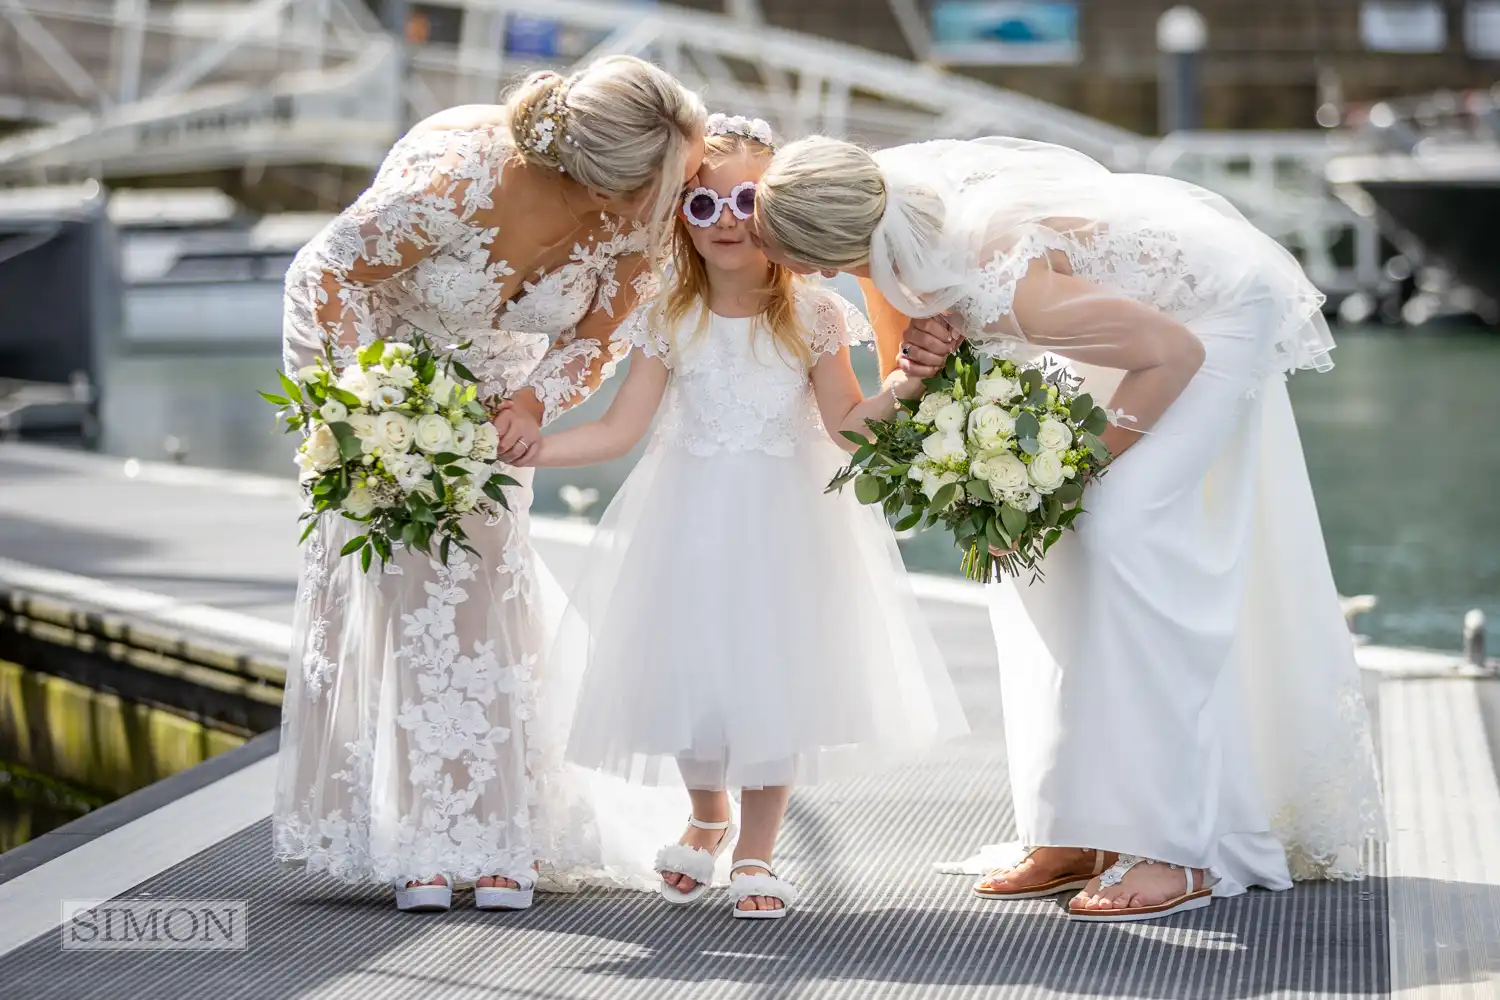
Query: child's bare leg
761	812
710	805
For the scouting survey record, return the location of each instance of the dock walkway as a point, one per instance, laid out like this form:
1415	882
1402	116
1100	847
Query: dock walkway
214	553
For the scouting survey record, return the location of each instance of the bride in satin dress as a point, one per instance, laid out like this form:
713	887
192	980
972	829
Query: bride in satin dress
1183	712
421	738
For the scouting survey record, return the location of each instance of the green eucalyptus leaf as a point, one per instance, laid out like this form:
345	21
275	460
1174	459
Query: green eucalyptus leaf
463	372
980	490
909	521
856	438
1069	493
278	400
353	544
945	496
867	489
1080	408
1096	421
1014	520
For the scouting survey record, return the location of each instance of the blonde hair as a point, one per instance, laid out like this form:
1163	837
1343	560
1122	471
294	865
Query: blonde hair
622	124
688	289
820	201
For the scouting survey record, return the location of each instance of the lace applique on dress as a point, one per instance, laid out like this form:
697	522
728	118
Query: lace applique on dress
832	322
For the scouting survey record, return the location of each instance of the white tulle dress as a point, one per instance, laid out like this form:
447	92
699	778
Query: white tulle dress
742	628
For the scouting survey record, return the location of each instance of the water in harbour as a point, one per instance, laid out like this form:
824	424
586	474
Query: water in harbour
1400	437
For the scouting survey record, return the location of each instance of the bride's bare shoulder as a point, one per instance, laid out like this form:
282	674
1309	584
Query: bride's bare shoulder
464	117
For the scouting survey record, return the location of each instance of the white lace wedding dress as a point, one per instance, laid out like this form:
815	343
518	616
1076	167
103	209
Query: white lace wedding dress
1182	686
419	733
741	627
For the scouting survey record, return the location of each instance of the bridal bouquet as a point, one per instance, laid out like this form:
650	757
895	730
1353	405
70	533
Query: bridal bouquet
999	455
396	441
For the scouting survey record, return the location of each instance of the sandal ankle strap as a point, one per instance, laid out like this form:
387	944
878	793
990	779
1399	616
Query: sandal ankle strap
753	863
705	825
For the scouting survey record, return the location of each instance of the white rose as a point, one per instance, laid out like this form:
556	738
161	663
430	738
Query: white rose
951	418
322	448
356	381
1047	472
980	469
486	442
465	497
997	389
434	434
932	484
944	447
333	411
442	388
411	471
463	437
930	405
365	429
397	352
359	502
401	375
1025	498
1054	435
387	397
393	431
1006	473
990	427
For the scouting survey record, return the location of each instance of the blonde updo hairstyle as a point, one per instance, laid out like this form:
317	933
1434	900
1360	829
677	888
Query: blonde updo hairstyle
820	201
625	126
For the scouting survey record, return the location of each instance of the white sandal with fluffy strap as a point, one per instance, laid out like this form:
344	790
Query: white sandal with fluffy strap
694	862
742	887
425	898
501	897
1192	897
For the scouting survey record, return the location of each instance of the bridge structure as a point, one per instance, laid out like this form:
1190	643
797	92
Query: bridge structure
123	89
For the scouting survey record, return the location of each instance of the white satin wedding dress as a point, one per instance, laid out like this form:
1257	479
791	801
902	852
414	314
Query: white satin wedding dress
1182	686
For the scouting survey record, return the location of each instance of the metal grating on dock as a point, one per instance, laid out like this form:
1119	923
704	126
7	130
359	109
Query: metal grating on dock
876	922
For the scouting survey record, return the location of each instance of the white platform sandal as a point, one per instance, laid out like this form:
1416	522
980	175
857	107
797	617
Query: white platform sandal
694	862
424	898
500	897
742	887
1191	898
1065	883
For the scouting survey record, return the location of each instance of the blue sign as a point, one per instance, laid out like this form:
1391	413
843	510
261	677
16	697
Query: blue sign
531	36
1004	31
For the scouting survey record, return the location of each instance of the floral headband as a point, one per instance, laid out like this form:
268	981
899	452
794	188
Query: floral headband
756	129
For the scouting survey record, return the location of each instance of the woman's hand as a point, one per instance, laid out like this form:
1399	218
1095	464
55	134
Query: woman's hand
520	433
926	344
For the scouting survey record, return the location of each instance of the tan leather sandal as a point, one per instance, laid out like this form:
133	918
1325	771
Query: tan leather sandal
1063	883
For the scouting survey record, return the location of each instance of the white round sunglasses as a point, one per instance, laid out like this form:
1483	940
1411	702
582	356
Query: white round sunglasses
702	206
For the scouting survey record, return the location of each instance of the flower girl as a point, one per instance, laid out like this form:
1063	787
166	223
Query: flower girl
741	627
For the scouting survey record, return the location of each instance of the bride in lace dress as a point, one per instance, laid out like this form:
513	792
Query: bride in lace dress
420	745
1181	690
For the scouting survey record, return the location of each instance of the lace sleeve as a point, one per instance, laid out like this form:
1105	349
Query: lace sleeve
637	333
424	197
834	322
582	358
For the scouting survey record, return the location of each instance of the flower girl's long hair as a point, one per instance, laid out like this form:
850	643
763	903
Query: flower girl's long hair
687	291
